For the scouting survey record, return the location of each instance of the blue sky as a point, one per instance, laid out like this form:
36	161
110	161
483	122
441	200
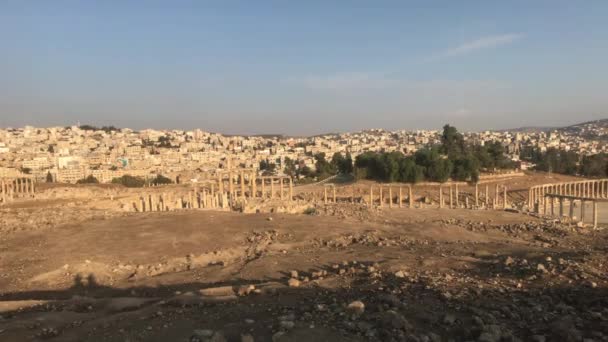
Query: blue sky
303	67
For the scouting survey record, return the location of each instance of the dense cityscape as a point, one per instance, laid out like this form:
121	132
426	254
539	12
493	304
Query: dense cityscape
71	154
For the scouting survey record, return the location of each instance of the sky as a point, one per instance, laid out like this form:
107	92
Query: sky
303	67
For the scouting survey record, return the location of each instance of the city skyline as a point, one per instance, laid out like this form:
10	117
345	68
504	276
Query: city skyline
295	69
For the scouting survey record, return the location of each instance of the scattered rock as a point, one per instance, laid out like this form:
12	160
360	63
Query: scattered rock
357	307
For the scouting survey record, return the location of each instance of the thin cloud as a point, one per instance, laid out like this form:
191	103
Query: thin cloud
483	43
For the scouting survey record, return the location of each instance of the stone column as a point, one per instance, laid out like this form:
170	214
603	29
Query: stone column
263	186
3	191
504	201
561	207
212	194
371	195
291	189
220	182
552	206
451	198
281	186
410	197
457	196
271	187
487	196
400	197
334	188
242	179
325	194
496	194
254	190
440	196
231	184
545	206
583	211
140	205
476	195
571	210
390	196
381	199
594	214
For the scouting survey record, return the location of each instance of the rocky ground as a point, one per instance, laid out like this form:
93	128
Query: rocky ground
338	273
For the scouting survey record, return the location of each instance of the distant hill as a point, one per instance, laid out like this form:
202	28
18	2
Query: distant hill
528	129
583	126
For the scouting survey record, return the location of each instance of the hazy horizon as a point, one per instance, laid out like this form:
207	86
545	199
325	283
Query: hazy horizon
303	69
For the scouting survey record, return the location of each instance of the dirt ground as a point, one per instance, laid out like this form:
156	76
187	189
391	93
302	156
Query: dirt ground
75	269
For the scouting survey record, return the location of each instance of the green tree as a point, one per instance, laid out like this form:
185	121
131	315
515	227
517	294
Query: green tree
594	165
440	170
452	142
341	164
409	172
324	168
307	172
466	168
290	167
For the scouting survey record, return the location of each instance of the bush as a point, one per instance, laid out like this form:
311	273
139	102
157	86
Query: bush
88	180
160	179
129	181
311	211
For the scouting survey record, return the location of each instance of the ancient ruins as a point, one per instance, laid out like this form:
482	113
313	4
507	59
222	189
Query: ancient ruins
544	198
15	188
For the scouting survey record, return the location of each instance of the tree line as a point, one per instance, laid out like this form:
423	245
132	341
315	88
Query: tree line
126	180
567	162
452	159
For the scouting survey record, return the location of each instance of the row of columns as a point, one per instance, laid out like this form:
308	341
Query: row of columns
195	199
549	207
454	197
210	198
588	189
500	199
16	187
248	187
391	198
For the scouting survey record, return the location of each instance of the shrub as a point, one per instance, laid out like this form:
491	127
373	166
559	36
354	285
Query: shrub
88	180
129	181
